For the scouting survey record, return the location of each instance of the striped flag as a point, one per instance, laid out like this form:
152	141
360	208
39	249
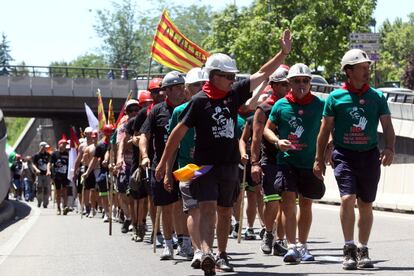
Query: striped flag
74	144
172	49
101	111
121	113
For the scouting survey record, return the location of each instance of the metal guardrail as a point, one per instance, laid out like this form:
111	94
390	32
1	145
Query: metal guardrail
399	97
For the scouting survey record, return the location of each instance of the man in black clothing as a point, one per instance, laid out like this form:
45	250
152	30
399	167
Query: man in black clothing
41	167
59	163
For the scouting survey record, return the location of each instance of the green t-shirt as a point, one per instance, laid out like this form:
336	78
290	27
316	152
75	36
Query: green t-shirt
356	118
300	125
187	144
241	122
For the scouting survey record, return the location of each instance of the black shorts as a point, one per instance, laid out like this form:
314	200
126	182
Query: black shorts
298	180
122	180
357	173
249	181
102	182
90	181
61	181
142	187
160	196
220	184
269	177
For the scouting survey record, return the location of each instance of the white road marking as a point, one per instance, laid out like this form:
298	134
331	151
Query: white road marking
7	248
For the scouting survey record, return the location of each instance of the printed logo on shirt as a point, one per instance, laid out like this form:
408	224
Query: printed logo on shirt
224	123
297	131
356	135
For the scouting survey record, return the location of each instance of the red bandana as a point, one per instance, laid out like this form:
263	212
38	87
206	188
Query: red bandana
305	100
170	104
272	99
348	86
149	108
213	92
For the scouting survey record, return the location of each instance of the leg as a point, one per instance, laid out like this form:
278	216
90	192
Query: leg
304	219
365	221
167	221
208	213
347	215
251	206
223	226
289	211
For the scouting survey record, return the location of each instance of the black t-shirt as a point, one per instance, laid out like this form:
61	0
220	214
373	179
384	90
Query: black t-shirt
100	150
215	123
249	122
268	150
17	169
60	161
135	150
40	160
156	125
139	121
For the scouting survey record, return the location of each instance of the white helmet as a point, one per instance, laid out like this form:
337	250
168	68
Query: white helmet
354	56
195	75
220	62
131	102
299	70
172	78
279	75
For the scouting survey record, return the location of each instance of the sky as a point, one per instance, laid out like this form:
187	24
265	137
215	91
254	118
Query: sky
40	32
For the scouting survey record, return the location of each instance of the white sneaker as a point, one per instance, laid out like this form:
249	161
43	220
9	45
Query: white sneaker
105	218
91	215
167	253
196	262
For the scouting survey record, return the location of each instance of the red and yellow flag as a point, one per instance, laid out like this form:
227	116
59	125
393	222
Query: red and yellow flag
101	112
172	49
111	115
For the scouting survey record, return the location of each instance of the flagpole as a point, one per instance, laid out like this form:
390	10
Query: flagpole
149	71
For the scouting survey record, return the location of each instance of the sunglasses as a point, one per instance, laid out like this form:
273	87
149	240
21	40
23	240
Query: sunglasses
230	77
284	84
133	109
304	81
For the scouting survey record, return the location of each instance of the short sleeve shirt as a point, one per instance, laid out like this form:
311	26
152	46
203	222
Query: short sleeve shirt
156	125
215	123
60	161
40	160
356	118
187	144
268	150
300	125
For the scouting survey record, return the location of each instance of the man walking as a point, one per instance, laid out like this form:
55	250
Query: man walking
352	114
41	167
59	167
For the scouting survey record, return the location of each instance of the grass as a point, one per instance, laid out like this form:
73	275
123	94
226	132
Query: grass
15	126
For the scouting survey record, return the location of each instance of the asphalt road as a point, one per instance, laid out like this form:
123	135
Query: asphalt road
38	242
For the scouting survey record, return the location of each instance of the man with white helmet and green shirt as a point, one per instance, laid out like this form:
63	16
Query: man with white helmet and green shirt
297	118
213	114
352	114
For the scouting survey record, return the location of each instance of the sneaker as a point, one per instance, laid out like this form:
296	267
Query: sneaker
140	233
65	211
267	241
175	241
105	218
196	262
208	265
130	228
222	263
134	236
167	253
58	212
262	233
186	251
305	256
350	257
125	226
292	256
235	232
249	234
279	248
92	213
363	258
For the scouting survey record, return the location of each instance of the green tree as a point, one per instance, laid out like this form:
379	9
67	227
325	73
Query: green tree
397	45
5	56
320	31
71	69
408	76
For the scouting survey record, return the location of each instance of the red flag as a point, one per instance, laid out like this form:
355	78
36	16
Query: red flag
121	113
74	141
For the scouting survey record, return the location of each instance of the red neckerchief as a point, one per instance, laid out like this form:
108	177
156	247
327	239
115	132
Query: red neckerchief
272	99
149	108
305	100
213	92
169	103
348	86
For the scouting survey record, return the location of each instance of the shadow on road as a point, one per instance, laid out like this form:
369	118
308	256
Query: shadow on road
22	210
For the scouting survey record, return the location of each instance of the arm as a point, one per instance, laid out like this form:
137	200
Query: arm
91	167
78	162
172	145
243	144
259	121
121	151
387	155
168	178
267	69
252	102
269	135
143	149
319	166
